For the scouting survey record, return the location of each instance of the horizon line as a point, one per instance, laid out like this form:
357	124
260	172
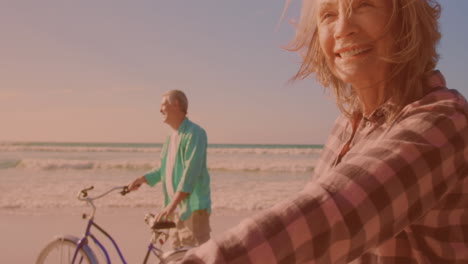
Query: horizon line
136	143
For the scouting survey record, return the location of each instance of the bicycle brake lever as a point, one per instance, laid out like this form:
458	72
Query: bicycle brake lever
85	191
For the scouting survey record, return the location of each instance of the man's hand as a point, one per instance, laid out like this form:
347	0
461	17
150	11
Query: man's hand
170	208
166	213
133	186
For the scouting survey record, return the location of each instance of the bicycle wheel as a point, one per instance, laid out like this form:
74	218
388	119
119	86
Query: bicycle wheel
61	250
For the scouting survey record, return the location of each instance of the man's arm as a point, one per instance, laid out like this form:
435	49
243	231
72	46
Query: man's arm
169	209
151	177
135	184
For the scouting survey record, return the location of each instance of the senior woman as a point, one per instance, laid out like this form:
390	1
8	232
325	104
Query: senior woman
391	185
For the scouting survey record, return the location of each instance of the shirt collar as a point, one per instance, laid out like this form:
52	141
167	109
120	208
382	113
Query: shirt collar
434	81
183	124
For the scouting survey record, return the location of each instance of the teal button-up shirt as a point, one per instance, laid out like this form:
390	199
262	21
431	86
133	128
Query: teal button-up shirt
190	173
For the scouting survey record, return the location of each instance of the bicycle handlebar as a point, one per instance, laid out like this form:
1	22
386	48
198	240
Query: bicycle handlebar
159	228
83	194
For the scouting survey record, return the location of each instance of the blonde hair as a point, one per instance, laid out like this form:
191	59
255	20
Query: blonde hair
180	97
416	33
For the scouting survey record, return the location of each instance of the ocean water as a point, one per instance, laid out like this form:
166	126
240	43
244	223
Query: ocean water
38	175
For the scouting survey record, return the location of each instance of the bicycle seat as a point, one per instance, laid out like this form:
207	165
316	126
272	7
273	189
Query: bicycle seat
163	225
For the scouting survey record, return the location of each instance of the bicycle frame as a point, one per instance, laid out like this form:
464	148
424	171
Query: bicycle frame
88	233
84	240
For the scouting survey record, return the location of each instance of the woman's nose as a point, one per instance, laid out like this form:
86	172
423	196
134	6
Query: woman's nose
345	25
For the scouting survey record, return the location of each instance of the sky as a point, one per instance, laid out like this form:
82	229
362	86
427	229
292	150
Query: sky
94	70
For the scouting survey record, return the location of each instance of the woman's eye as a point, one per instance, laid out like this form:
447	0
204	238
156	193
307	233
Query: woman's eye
363	4
326	16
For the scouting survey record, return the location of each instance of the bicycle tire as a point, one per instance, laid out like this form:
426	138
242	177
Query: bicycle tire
61	250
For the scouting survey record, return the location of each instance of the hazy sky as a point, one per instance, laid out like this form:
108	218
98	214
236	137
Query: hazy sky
93	70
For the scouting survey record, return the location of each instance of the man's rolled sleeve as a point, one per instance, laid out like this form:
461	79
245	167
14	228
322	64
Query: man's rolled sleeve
153	176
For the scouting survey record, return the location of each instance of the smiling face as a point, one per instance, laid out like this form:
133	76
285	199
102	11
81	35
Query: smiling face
354	37
168	110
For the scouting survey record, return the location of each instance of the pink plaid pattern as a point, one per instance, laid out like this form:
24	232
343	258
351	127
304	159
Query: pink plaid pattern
399	195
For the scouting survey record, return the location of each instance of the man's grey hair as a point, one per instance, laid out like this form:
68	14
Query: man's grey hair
179	96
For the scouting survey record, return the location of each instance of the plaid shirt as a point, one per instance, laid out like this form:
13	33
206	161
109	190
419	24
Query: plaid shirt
399	194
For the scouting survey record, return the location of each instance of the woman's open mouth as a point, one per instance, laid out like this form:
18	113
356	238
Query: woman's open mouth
353	52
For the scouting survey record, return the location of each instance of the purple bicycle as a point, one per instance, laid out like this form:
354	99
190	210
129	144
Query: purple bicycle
71	249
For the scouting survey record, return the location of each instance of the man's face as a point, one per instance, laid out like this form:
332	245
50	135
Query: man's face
167	109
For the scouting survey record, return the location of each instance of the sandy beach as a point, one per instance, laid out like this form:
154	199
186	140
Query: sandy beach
25	232
39	183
